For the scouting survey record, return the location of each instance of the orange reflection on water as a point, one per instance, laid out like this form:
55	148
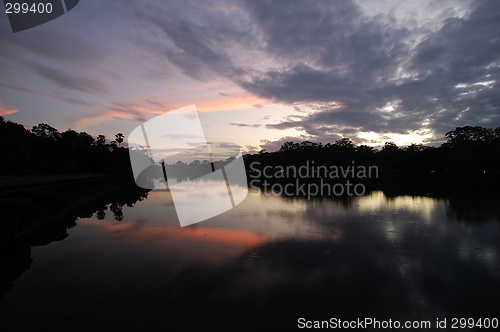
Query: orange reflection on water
214	244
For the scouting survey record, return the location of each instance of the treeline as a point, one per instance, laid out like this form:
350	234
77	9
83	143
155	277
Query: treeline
45	150
468	149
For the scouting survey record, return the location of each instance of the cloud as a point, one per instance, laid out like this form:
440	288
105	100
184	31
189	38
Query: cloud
246	125
200	48
60	44
74	100
132	111
251	149
20	89
360	68
68	81
383	84
61	55
387	72
6	109
155	103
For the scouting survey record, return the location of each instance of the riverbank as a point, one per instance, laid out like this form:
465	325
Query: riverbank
35	202
35	180
39	210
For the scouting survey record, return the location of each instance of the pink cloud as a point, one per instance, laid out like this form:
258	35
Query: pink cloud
6	109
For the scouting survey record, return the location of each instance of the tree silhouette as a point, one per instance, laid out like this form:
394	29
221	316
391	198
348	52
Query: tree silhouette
85	139
416	147
345	143
119	139
43	130
469	136
101	140
390	147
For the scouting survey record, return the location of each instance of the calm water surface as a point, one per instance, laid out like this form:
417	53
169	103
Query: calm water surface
264	264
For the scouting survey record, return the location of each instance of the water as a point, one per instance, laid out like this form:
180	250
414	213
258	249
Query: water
265	264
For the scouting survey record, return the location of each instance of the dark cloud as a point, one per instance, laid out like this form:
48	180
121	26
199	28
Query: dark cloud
18	88
76	101
455	64
335	54
331	52
66	80
195	38
362	73
127	110
155	103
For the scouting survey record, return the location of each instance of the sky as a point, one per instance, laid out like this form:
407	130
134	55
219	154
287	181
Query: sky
260	72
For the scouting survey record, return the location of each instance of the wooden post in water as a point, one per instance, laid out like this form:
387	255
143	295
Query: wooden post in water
164	170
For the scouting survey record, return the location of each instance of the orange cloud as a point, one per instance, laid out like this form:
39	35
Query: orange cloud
230	104
140	110
6	109
118	111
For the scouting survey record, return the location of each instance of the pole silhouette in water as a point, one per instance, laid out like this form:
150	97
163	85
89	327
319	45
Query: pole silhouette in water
164	170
